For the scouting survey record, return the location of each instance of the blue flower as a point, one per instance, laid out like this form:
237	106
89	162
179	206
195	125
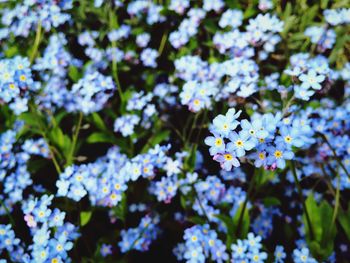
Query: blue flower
239	250
311	79
303	256
278	155
223	125
216	143
290	137
279	254
254	242
227	160
257	256
240	143
195	255
255	129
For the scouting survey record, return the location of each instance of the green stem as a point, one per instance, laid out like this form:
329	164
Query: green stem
302	199
115	74
201	205
289	103
192	128
114	61
162	43
334	153
43	134
240	219
337	198
74	140
36	42
8	213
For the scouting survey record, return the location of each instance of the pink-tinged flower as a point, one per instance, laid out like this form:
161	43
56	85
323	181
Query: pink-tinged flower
30	220
227	160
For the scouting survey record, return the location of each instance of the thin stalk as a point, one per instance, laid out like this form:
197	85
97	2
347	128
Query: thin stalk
36	42
162	43
115	74
43	134
289	103
74	140
334	153
337	199
240	219
302	199
201	205
192	128
201	125
8	213
114	61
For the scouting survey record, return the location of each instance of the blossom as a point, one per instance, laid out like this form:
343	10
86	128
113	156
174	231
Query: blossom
311	79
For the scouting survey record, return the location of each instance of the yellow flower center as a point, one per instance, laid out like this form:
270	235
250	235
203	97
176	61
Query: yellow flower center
228	157
59	247
288	139
196	102
278	154
218	142
22	78
239	143
261	156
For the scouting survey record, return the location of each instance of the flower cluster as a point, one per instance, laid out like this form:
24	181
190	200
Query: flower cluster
200	243
249	250
31	14
266	140
52	237
90	93
115	114
141	237
16	83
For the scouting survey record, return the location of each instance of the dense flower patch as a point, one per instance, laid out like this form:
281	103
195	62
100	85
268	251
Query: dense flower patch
174	131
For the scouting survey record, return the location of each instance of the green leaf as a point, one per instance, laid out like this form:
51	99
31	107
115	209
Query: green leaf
12	51
32	119
57	137
197	220
74	73
155	139
315	219
244	227
101	137
271	201
85	217
228	222
98	122
191	159
121	210
323	229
